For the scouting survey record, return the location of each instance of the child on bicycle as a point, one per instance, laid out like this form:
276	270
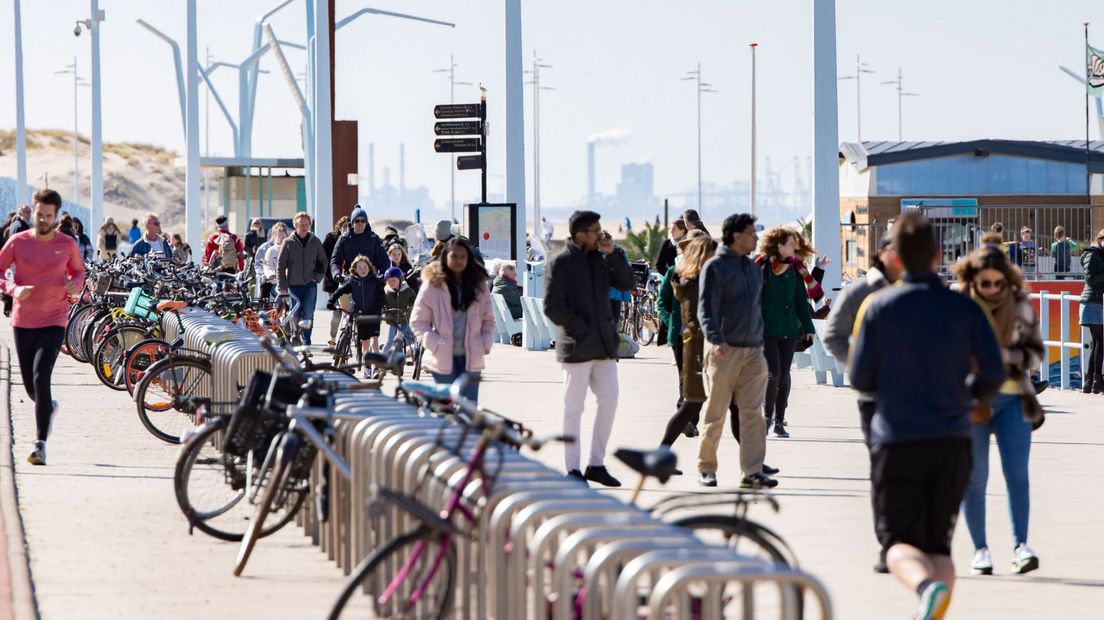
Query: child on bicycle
365	289
398	300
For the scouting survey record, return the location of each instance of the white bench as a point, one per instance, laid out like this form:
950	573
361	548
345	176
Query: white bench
537	335
505	323
822	361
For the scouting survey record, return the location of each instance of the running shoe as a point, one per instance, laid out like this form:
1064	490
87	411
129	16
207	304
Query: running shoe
983	562
707	479
1024	559
933	601
38	455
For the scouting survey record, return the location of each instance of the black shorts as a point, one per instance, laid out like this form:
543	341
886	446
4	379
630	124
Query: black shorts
918	487
367	330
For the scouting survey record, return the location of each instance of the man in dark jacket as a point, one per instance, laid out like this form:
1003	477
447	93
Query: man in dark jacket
300	266
731	317
577	300
927	354
328	284
358	240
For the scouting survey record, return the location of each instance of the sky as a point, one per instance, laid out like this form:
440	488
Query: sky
982	69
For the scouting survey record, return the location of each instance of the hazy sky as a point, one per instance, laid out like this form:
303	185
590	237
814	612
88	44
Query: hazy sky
983	69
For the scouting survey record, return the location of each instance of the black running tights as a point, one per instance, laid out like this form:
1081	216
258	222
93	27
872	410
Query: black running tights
1096	353
37	350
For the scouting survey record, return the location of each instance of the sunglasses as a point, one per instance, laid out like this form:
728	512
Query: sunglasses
997	284
360	221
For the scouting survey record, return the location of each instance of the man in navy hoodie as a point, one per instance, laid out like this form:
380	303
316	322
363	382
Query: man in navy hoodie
927	354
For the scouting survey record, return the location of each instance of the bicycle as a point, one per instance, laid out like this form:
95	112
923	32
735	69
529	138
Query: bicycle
424	558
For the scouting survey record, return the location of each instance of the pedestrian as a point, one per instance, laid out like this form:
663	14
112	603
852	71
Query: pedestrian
365	290
181	252
153	242
678	305
108	238
786	317
505	284
731	317
885	269
665	259
21	222
65	227
88	252
587	344
398	301
1061	250
300	266
328	283
987	277
254	238
135	233
224	252
920	434
278	234
11	217
357	240
452	317
546	232
41	287
396	253
693	221
1091	315
1022	253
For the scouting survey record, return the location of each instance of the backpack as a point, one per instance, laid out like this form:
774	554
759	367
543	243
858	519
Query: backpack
111	242
227	252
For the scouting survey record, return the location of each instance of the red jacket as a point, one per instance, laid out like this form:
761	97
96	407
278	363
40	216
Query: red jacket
212	247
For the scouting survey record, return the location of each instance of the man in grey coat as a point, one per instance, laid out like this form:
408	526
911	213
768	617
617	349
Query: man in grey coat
300	266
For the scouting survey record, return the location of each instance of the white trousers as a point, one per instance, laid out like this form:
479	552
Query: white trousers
601	377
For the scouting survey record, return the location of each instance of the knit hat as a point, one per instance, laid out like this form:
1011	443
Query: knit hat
222	222
444	230
358	211
393	272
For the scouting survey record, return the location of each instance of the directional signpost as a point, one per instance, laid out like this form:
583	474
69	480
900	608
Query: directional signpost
455	128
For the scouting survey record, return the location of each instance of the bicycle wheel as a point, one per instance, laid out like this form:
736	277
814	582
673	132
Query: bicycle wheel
110	355
425	591
280	478
744	536
169	394
341	348
140	357
211	486
417	373
75	328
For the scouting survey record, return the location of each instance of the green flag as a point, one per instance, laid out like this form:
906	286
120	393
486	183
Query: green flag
1094	70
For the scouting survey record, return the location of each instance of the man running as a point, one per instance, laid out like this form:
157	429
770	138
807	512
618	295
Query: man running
48	267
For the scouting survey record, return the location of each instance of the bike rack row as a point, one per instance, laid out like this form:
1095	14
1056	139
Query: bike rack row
540	537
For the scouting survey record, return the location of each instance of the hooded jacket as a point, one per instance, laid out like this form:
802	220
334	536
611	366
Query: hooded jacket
350	245
365	294
1092	259
431	321
401	302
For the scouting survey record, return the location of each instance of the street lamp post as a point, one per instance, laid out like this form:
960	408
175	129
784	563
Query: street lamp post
753	46
702	87
538	64
860	68
901	94
451	71
77	83
20	123
95	198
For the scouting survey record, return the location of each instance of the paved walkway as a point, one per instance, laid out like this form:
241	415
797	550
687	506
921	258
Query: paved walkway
106	539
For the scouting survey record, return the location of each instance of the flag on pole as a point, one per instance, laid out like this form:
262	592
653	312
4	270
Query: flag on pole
1094	67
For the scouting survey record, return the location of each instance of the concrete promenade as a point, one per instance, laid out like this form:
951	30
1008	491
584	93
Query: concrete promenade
106	540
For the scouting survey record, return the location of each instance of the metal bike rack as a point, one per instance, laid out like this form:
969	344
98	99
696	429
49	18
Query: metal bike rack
606	560
721	573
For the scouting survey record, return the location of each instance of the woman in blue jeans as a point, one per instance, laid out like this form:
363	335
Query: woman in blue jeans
988	277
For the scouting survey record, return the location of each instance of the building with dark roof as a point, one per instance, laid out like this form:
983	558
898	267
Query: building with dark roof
967	188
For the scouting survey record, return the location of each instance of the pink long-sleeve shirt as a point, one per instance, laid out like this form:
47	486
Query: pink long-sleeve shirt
48	266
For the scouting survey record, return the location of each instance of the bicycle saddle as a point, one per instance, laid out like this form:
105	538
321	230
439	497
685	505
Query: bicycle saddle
171	305
659	463
217	336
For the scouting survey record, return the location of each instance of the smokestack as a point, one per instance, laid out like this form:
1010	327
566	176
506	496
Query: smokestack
590	174
371	168
402	168
387	177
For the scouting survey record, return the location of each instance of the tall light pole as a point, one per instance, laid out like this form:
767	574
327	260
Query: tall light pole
826	193
901	94
702	87
95	198
538	64
860	68
20	123
77	83
753	46
191	126
451	71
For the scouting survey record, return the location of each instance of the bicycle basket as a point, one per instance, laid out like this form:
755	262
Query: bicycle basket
640	271
103	283
253	426
140	304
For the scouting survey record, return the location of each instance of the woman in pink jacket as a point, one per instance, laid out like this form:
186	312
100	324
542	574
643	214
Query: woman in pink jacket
452	316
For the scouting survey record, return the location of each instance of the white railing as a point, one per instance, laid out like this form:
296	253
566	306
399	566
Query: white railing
1063	344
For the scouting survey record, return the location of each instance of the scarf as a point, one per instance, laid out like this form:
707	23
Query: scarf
779	267
1002	311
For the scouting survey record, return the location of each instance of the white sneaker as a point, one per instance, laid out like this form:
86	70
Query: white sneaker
1024	559
983	562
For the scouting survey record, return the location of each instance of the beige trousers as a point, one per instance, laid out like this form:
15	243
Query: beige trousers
742	374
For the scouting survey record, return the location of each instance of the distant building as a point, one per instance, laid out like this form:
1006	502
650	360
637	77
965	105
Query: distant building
635	191
967	187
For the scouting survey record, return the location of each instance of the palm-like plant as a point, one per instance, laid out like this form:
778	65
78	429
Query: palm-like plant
644	245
